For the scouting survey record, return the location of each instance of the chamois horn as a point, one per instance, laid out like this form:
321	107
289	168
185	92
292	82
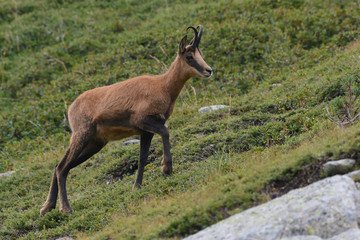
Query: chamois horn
196	40
199	34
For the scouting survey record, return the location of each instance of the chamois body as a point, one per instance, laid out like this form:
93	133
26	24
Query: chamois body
116	110
137	106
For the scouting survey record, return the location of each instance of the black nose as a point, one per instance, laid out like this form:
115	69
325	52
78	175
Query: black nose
210	71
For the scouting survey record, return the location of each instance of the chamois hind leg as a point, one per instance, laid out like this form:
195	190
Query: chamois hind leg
53	193
145	143
157	126
92	148
82	147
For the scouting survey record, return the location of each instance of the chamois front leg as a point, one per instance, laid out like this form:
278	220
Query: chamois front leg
145	143
166	163
149	124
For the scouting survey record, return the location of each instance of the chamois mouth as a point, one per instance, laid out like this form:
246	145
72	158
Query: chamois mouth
208	74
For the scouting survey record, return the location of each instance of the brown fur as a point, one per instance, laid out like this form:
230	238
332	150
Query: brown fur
137	106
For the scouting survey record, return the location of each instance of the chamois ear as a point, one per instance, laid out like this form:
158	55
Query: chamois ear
182	45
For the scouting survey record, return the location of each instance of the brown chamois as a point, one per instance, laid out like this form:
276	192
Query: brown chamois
137	106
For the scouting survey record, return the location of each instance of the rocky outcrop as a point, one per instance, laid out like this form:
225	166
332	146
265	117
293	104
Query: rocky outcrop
323	209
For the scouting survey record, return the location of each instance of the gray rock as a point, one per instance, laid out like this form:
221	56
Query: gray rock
338	167
354	175
64	238
325	209
352	234
308	237
212	108
7	174
132	141
276	84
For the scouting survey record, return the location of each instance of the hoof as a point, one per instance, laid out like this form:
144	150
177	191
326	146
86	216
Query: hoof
66	210
47	208
136	186
167	171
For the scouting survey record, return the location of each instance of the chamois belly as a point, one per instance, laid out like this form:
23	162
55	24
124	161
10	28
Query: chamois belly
113	133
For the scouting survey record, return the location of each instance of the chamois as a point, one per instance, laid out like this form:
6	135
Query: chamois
137	106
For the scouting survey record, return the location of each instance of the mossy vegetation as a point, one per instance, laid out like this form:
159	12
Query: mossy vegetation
277	64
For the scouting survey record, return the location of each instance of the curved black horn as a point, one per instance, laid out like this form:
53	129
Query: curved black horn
194	41
199	34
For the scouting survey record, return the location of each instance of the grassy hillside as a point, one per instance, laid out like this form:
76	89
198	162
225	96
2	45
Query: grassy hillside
224	162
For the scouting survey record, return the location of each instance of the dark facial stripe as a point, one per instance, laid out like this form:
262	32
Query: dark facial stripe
193	63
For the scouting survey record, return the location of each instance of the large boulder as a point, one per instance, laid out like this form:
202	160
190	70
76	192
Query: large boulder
324	209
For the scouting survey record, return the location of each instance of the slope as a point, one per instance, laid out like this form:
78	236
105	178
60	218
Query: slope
223	160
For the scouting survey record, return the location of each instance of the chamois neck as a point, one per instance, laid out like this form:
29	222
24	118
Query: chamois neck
175	78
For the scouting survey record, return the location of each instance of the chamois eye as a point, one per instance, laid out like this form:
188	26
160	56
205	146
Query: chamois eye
189	57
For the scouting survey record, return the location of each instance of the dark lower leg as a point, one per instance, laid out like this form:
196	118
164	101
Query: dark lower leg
64	203
149	124
53	192
144	153
167	159
52	196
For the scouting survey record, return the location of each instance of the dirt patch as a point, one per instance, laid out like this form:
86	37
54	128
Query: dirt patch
307	175
125	167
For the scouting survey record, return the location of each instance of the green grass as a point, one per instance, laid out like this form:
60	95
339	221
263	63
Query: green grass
233	184
52	51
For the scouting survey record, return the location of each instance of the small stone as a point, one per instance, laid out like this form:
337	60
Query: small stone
132	141
338	167
7	173
64	238
212	108
276	84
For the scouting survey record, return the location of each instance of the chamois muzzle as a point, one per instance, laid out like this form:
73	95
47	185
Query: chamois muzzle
210	72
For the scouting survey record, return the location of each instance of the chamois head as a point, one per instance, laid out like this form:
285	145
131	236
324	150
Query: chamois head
192	55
